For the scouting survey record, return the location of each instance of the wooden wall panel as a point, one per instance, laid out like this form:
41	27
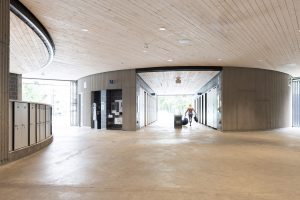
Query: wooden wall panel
4	80
124	34
255	99
125	80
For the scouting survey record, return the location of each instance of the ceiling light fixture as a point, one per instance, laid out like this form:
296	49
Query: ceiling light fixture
170	60
162	29
178	80
260	60
145	51
184	41
84	30
219	59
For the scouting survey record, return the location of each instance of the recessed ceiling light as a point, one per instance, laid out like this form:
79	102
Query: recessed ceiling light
290	65
170	60
145	51
84	30
184	41
219	59
162	29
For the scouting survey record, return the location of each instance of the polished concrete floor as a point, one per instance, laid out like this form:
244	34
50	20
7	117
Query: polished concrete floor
159	163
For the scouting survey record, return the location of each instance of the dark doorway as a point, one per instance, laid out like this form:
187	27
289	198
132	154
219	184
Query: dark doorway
114	107
96	110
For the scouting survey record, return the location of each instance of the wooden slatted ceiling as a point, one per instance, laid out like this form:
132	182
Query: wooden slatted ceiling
164	83
244	33
27	51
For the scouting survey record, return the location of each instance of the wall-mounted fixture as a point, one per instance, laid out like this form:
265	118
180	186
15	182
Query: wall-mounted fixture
112	81
178	80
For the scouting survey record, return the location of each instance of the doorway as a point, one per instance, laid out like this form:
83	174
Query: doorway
96	110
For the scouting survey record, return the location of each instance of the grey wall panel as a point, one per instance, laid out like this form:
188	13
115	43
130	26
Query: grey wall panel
296	103
255	99
129	108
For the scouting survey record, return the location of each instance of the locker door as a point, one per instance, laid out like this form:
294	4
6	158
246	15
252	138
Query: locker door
48	121
32	124
17	126
48	114
24	119
42	122
48	129
38	123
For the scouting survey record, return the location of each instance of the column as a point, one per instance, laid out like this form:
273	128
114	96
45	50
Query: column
4	79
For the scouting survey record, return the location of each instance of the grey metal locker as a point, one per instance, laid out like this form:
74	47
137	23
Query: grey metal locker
42	131
24	125
17	125
42	113
32	123
48	113
38	123
48	121
38	139
48	131
42	122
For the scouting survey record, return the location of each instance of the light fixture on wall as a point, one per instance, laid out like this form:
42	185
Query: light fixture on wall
178	80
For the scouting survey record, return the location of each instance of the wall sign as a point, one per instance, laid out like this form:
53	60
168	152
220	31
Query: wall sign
112	81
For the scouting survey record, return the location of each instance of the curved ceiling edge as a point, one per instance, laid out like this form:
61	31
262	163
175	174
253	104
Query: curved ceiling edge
28	18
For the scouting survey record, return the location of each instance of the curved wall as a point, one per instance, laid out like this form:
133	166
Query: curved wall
124	80
255	99
30	128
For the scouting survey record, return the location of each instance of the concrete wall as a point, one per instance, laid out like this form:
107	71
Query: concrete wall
123	79
15	87
255	99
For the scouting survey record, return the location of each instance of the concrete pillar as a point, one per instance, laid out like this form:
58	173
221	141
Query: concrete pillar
4	79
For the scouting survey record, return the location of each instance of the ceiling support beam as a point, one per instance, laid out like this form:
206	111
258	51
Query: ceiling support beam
179	68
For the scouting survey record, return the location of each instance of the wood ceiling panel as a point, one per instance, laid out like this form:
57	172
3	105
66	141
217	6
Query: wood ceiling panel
164	83
27	51
243	33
